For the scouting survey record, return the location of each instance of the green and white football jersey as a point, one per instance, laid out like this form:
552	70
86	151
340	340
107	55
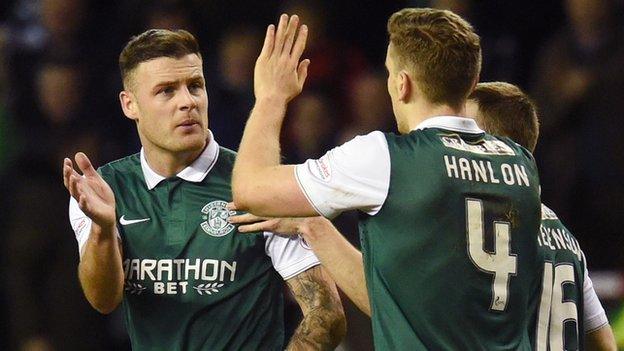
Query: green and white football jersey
449	222
567	305
192	281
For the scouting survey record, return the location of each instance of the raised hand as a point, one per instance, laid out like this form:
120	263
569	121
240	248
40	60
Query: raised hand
279	73
95	198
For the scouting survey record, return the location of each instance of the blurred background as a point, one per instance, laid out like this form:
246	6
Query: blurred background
58	94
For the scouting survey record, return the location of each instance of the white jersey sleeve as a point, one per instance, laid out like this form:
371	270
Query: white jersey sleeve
290	255
355	175
80	223
593	313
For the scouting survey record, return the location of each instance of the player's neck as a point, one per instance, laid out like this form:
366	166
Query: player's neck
417	113
167	163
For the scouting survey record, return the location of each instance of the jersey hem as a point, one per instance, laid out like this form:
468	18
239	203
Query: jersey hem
590	328
299	267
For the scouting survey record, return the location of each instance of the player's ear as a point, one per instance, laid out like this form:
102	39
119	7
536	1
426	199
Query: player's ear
404	86
128	104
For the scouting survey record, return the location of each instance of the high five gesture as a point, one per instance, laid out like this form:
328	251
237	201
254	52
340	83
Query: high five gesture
279	72
279	77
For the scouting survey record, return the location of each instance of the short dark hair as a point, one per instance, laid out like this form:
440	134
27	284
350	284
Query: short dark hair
441	49
155	43
505	110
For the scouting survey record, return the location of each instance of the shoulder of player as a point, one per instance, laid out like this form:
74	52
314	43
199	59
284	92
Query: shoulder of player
520	150
550	219
366	142
360	153
122	165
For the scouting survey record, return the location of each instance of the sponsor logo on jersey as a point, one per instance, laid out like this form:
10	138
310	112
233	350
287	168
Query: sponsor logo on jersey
483	147
215	215
179	276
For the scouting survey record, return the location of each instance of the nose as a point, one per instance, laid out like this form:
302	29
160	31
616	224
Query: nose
187	100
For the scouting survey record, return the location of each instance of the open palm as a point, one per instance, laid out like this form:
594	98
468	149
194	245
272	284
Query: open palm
94	196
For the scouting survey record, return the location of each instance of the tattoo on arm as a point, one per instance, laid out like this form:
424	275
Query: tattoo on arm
323	325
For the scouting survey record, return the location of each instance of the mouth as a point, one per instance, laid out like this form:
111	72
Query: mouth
188	123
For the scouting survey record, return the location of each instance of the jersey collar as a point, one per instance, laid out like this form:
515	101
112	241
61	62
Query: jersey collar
195	172
458	124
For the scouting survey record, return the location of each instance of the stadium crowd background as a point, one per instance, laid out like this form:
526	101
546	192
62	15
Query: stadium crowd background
59	82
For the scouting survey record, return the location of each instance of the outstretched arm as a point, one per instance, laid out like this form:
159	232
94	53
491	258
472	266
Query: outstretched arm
100	270
341	259
323	325
259	183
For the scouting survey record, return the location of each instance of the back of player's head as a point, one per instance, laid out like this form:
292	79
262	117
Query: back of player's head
155	43
440	49
505	110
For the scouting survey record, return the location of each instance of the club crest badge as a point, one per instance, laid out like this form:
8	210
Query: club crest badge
215	217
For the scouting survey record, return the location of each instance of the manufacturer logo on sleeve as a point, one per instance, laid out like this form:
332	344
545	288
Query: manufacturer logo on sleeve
215	216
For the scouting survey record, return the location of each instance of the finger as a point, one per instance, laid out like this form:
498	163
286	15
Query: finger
302	72
85	199
280	34
302	38
73	186
254	227
269	42
245	218
84	206
231	206
67	173
85	165
67	168
293	24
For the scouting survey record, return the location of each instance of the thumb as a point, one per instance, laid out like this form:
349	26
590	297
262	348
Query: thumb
85	165
302	71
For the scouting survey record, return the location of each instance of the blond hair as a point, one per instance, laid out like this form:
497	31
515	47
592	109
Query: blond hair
440	49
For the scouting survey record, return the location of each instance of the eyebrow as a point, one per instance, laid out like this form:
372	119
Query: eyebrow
176	82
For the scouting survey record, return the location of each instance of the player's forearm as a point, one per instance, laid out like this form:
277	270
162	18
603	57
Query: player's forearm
322	328
101	271
601	339
341	259
258	153
324	324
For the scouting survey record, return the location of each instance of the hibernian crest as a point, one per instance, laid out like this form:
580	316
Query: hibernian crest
215	217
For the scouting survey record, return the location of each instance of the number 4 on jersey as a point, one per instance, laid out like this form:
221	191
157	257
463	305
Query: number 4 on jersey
501	262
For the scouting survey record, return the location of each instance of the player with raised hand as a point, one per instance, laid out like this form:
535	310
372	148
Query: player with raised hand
568	314
449	214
